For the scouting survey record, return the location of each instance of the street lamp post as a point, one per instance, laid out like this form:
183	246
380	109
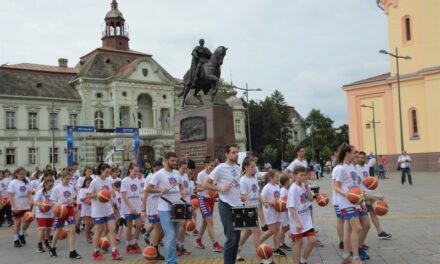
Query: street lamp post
247	90
374	127
402	147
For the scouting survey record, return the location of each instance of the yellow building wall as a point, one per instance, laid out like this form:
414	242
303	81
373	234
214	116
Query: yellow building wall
367	117
425	25
432	112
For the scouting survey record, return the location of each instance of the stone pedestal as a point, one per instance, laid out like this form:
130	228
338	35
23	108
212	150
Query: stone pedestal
203	131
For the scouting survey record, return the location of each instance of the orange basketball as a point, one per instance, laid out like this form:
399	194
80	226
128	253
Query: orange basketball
150	253
371	183
60	211
380	208
104	243
264	251
322	199
281	205
45	207
195	203
104	195
190	225
355	196
63	234
28	217
213	194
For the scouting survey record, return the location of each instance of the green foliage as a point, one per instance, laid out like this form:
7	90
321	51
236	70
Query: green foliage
325	153
269	154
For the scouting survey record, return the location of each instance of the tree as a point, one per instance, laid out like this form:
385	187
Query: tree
269	154
325	153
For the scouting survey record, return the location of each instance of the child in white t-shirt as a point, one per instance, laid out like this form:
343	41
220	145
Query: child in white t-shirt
300	215
20	197
86	209
117	203
103	213
182	166
270	196
44	219
285	182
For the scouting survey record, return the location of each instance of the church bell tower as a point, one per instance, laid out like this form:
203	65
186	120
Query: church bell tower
115	35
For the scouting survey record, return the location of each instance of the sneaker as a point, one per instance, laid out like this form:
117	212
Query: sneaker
239	258
147	239
196	232
216	247
116	255
264	228
17	244
118	238
300	262
347	260
53	252
363	255
279	252
97	256
77	229
383	235
159	256
10	224
74	255
22	239
285	247
178	251
46	244
40	248
199	243
341	245
130	250
184	251
137	249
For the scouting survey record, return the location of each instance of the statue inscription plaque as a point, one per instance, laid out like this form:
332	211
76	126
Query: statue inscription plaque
193	129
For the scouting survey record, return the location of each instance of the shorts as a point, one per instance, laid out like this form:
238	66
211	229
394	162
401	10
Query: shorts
43	223
153	219
308	233
284	219
131	217
19	214
206	206
338	212
272	217
104	219
349	213
363	212
59	222
122	222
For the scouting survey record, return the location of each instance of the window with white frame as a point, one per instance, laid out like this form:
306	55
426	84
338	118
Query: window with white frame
32	118
10	120
55	155
32	154
10	156
99	119
53	120
73	119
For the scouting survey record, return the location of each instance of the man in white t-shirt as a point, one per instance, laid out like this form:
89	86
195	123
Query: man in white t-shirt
227	177
299	161
371	164
405	166
167	182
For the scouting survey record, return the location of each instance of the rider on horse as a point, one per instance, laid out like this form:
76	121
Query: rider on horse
200	55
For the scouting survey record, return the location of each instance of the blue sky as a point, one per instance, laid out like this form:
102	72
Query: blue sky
307	49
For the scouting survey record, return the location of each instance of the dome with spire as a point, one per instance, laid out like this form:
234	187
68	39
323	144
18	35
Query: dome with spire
114	11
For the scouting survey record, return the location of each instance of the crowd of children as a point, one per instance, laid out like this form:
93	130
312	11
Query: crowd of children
133	200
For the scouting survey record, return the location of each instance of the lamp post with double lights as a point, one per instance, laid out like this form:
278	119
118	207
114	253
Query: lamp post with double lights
246	92
374	127
396	55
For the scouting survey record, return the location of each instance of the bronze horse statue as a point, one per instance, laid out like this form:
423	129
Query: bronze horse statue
208	77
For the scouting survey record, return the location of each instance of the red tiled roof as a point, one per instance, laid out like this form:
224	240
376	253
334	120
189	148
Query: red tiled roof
380	77
40	67
127	67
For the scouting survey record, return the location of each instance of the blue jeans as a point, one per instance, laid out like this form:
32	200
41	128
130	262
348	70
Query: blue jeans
232	235
170	229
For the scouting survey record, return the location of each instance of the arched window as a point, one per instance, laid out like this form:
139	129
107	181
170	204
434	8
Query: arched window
413	123
407	30
99	119
139	120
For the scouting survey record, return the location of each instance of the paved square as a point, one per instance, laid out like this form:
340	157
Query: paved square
413	220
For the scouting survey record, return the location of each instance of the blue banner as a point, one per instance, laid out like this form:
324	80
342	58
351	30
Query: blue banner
125	130
69	146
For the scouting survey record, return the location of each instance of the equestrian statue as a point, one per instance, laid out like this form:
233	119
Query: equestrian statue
204	73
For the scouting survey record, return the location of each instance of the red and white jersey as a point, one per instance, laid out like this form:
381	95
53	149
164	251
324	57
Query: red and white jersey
200	179
131	187
63	194
348	177
20	194
41	197
101	209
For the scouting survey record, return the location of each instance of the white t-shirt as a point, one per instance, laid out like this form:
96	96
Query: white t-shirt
297	163
348	177
372	162
249	186
76	176
363	173
166	180
100	209
404	164
86	209
80	182
271	193
20	192
223	175
142	184
152	198
336	171
187	186
297	199
132	188
4	187
63	194
200	179
284	216
40	198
